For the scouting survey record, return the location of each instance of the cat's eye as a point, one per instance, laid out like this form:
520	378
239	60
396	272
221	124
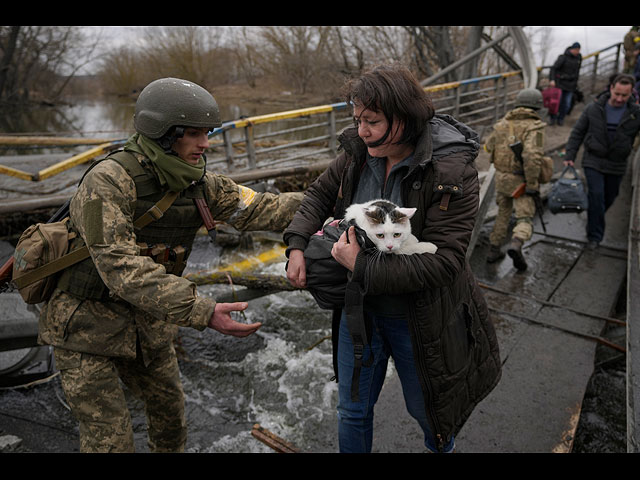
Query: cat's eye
396	235
380	235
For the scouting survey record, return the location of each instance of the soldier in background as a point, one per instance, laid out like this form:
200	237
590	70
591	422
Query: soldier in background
113	317
522	124
631	43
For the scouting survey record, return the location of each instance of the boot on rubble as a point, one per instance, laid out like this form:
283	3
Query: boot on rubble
495	254
515	252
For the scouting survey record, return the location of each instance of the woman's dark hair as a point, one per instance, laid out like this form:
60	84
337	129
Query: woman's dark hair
395	92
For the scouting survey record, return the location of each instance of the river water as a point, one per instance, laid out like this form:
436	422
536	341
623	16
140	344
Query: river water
105	118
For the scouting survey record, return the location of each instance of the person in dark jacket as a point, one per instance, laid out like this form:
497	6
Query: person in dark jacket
424	310
608	128
564	74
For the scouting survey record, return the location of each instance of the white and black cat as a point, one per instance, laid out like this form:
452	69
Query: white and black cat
388	226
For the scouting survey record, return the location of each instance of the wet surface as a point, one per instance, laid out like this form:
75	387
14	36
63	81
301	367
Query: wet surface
281	377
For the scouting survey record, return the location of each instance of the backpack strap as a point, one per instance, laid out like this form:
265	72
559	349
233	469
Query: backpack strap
71	258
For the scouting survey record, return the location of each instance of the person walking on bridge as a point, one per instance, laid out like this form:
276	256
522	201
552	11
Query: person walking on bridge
607	129
521	126
113	317
564	74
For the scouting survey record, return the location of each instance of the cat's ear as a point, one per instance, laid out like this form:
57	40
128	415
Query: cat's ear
409	212
370	214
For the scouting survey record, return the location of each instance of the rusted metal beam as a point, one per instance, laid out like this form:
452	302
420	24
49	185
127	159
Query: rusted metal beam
272	440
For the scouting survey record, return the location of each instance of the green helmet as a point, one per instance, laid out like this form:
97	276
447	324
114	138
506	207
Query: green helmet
170	102
530	98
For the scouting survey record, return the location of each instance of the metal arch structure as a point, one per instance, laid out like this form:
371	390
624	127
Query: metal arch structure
527	66
529	69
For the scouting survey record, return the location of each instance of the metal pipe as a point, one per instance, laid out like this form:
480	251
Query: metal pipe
462	61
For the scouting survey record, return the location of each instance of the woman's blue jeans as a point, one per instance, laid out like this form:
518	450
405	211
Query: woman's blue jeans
390	338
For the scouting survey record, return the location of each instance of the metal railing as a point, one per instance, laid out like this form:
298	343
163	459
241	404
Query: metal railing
288	138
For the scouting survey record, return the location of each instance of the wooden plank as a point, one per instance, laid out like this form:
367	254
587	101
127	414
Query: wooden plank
272	440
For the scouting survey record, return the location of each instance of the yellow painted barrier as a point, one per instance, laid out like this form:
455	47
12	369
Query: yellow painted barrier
23	140
12	172
274	254
271	117
72	162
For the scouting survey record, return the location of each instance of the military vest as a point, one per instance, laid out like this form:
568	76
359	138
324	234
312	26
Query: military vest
168	240
515	127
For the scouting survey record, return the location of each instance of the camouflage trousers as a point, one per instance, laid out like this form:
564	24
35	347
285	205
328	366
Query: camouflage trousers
92	386
523	208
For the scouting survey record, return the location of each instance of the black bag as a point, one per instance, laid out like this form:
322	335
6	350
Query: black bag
326	278
568	195
329	284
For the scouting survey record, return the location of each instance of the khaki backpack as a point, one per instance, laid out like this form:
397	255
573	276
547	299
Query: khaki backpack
42	251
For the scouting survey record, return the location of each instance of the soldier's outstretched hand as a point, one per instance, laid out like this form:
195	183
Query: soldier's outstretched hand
222	322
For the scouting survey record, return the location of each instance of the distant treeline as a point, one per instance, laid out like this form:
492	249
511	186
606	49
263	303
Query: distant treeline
38	62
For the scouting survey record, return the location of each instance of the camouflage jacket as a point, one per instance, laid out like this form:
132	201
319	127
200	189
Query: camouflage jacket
146	302
524	125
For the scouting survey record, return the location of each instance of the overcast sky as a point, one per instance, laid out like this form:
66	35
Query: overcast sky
591	39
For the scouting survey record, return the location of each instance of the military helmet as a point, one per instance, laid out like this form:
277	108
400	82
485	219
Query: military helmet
530	98
170	102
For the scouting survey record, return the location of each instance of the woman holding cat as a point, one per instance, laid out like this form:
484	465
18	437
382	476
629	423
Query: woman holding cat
424	310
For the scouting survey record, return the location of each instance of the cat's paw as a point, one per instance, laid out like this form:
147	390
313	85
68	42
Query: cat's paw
425	247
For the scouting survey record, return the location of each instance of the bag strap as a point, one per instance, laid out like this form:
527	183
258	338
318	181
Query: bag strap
205	214
71	258
573	170
354	313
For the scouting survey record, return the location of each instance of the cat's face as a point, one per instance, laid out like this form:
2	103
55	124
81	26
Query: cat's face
388	230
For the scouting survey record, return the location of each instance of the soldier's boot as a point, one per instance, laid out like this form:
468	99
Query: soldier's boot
495	254
515	252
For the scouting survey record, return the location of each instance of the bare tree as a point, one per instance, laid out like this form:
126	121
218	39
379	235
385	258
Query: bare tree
296	53
187	52
244	47
541	40
39	61
8	50
474	41
433	48
120	71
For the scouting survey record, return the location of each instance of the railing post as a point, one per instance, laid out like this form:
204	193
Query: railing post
505	97
251	150
333	137
228	148
457	106
496	100
594	76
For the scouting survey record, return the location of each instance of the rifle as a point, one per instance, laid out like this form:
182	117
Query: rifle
521	189
6	271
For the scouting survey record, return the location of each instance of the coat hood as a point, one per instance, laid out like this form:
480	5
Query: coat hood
451	136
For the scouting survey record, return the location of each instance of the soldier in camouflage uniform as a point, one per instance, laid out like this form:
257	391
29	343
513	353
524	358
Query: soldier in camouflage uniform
114	316
520	124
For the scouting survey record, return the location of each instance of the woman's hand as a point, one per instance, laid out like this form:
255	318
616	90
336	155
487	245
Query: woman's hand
345	252
297	269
